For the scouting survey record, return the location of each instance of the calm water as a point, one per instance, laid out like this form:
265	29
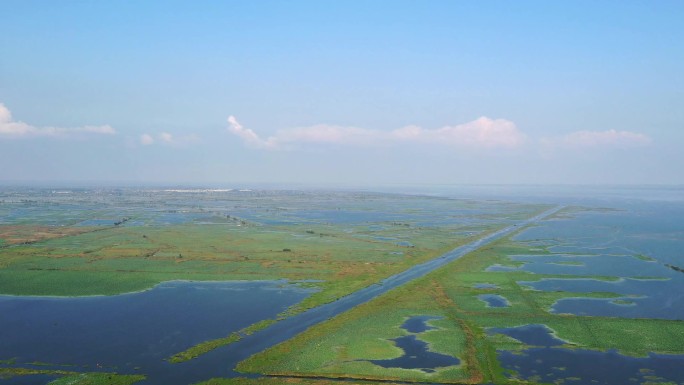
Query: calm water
632	246
416	354
546	363
494	300
135	332
638	241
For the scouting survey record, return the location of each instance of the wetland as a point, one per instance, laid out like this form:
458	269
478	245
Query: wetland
245	286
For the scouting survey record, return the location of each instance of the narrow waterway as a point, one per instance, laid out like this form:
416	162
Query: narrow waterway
224	360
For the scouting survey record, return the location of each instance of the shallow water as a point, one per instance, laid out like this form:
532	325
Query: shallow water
651	298
494	300
638	241
588	265
416	354
135	332
655	229
38	379
533	335
418	324
590	367
549	363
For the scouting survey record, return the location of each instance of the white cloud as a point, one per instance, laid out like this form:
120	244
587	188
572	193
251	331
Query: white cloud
146	139
609	138
5	114
168	139
409	133
248	136
322	133
14	129
480	133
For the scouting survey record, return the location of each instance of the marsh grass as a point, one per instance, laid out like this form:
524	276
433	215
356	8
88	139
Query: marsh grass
118	260
98	379
341	258
74	378
342	346
203	347
285	380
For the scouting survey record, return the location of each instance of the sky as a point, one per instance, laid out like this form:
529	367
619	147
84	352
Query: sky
342	92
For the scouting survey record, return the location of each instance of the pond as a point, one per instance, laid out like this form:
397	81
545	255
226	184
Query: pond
494	300
416	352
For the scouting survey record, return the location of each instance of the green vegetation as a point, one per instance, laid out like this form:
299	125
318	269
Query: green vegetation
203	347
126	259
645	258
283	380
337	348
74	378
337	258
340	257
13	372
623	302
98	379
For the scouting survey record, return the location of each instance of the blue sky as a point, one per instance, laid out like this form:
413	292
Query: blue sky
342	92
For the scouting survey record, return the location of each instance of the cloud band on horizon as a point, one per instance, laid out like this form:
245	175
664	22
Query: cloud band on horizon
479	133
482	133
10	128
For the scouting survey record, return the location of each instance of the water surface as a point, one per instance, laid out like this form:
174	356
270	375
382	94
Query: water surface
548	363
416	352
134	333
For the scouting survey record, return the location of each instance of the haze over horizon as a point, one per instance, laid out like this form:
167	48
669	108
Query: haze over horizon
348	93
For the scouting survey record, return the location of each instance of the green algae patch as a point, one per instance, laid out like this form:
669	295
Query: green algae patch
623	302
74	378
203	347
645	258
98	379
207	346
286	380
6	373
567	263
